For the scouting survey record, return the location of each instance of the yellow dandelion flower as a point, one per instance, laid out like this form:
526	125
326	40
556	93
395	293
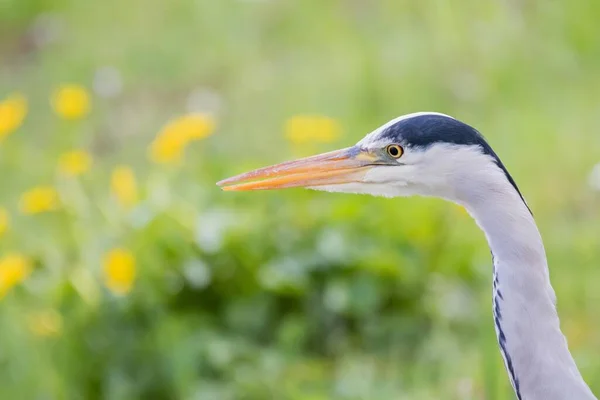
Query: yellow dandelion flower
190	127
123	186
119	271
302	129
74	163
4	221
167	149
45	323
14	269
71	101
12	114
171	141
39	199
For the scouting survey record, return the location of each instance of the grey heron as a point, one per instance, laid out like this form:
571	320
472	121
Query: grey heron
432	154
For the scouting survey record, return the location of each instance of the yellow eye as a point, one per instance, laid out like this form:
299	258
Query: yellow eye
394	150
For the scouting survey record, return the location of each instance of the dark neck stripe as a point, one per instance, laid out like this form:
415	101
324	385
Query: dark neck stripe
496	299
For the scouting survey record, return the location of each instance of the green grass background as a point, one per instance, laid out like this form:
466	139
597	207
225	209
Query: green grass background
309	296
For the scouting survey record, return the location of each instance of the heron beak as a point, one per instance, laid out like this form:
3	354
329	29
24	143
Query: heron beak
336	167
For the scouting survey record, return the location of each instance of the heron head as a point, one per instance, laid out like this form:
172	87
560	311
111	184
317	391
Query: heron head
427	154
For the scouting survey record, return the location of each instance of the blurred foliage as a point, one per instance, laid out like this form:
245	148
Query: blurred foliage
126	273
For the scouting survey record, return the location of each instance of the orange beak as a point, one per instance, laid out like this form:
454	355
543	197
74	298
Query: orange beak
336	167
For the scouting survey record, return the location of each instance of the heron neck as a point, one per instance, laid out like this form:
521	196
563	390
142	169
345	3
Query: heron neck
534	349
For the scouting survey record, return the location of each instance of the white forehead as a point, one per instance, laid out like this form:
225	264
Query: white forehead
372	139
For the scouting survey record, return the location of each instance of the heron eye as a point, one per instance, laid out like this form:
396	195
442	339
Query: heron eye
395	151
